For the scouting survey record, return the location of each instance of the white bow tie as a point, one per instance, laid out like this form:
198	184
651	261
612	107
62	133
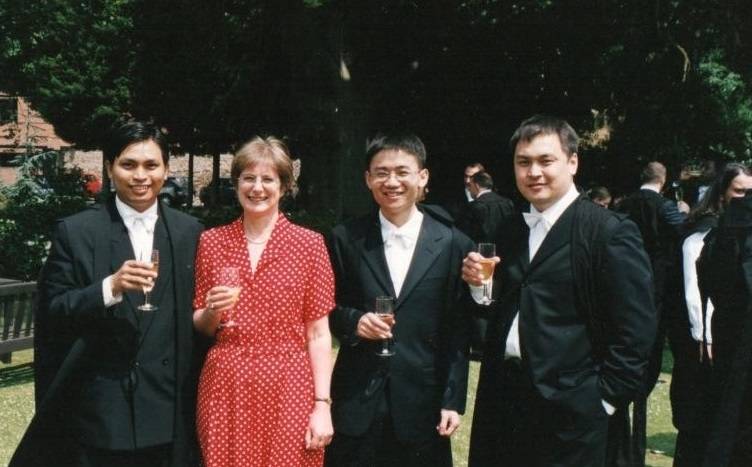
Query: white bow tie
147	220
533	218
399	238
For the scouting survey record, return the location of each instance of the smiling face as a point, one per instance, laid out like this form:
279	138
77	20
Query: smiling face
543	171
395	180
138	174
259	190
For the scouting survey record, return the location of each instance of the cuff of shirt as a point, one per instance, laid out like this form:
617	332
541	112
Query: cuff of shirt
610	409
477	293
109	299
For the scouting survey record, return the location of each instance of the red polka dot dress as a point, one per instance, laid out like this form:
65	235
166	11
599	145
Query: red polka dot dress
255	394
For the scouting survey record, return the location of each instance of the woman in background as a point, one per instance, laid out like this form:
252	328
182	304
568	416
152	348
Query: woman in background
263	396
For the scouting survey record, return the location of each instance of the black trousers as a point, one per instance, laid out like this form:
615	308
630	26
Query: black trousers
533	432
379	447
156	456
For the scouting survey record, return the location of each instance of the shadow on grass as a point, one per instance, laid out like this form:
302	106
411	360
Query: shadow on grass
662	443
20	374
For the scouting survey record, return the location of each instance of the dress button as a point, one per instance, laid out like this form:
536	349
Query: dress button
165	361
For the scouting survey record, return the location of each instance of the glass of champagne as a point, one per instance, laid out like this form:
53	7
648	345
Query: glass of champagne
487	251
385	311
154	262
229	276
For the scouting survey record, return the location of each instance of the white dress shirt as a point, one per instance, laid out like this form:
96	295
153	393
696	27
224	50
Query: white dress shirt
399	246
140	227
691	249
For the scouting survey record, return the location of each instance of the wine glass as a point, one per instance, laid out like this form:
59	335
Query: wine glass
154	262
487	251
229	276
385	311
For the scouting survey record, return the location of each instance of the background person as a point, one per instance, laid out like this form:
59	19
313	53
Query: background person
116	386
692	347
725	276
264	391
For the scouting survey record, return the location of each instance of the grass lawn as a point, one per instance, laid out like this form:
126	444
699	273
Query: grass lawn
17	407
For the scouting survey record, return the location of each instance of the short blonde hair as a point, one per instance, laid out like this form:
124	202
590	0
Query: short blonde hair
269	150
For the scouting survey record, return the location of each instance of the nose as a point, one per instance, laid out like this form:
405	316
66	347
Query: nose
140	172
391	179
534	171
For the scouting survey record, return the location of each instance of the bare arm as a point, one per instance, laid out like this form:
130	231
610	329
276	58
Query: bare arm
320	430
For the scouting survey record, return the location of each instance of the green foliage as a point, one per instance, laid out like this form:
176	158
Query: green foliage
41	195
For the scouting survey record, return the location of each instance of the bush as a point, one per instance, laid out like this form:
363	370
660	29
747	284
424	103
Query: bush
29	209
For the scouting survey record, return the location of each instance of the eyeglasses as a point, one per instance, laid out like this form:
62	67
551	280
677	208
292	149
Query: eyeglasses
383	175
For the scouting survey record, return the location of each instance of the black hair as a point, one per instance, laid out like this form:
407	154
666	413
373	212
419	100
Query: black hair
539	125
483	180
407	142
712	202
124	134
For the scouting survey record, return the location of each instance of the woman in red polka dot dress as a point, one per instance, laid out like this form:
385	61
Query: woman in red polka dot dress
263	397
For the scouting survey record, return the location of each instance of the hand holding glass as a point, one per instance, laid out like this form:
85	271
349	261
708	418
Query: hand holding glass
385	311
229	277
487	251
150	286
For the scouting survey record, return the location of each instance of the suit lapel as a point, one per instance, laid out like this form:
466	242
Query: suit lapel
121	250
427	249
373	255
557	237
162	243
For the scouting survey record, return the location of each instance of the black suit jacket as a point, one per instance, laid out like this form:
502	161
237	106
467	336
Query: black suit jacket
557	350
79	343
485	216
429	369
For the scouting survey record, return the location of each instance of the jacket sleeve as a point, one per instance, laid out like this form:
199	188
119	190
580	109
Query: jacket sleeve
343	320
70	294
458	325
627	293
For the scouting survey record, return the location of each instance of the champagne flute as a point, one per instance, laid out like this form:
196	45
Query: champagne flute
487	251
229	276
385	311
154	262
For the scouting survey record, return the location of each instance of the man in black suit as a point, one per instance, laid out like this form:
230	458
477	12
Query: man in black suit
483	221
398	410
661	223
489	211
574	321
116	385
457	207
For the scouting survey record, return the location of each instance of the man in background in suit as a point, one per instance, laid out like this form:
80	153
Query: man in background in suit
402	409
458	206
116	385
661	222
488	212
483	221
574	322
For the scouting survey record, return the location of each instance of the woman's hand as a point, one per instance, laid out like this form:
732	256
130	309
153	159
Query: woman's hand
320	430
220	299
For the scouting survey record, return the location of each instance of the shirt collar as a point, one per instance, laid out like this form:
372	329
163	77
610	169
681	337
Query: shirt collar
127	213
469	196
482	192
650	187
410	229
552	214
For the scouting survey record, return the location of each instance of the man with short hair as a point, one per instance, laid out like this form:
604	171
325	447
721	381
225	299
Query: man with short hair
661	222
400	409
482	222
573	322
115	385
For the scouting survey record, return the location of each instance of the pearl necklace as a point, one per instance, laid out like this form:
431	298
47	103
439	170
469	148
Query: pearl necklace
256	242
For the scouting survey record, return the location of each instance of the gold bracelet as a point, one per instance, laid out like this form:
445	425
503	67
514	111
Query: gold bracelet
328	400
